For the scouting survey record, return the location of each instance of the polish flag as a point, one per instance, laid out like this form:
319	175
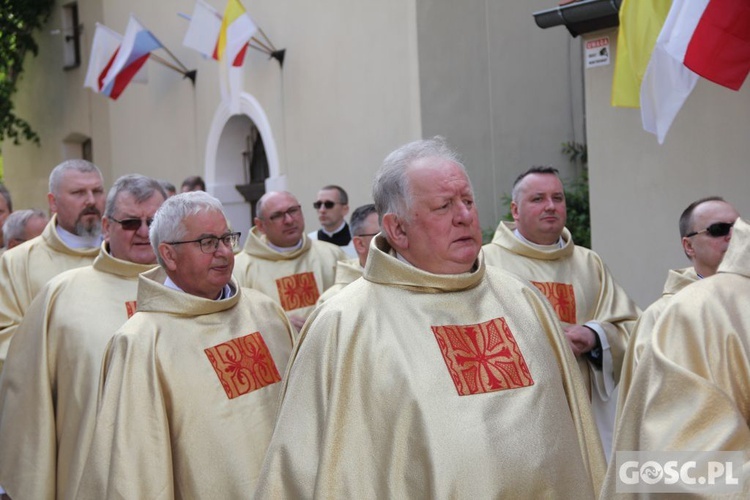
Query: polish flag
709	38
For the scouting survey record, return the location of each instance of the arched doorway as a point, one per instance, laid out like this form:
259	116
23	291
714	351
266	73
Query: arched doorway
241	151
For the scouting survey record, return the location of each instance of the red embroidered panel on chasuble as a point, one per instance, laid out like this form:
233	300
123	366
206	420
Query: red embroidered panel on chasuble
130	306
562	297
243	365
482	358
298	290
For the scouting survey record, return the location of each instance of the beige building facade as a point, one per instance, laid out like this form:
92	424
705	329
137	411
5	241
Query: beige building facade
358	80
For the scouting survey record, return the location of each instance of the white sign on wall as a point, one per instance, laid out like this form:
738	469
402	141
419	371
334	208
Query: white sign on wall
597	52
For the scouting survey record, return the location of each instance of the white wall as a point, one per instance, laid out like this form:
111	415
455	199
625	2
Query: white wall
639	188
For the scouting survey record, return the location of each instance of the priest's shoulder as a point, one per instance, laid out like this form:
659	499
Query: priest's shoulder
257	297
499	275
325	248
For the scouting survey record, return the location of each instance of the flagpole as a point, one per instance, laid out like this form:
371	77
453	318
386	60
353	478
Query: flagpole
259	49
268	49
184	68
184	73
267	39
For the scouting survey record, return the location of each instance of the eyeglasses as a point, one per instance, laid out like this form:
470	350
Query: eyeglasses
210	244
291	212
716	230
328	204
133	224
365	235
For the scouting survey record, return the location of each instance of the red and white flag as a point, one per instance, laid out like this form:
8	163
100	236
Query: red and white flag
708	38
105	44
719	48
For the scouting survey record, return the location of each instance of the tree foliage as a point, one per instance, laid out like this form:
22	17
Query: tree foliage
18	20
576	198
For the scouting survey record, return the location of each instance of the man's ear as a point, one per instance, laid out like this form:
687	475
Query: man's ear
359	245
514	210
346	210
168	254
106	224
687	246
395	230
52	203
259	224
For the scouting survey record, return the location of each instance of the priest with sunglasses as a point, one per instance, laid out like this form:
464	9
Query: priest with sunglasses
190	384
332	205
690	391
705	231
49	384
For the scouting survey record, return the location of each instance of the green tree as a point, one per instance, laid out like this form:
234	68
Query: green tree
18	20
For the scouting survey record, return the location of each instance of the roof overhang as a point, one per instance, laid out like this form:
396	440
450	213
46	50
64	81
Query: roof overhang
581	17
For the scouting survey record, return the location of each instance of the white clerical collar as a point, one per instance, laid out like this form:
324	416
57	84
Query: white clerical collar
226	292
75	241
401	258
285	249
343	224
560	243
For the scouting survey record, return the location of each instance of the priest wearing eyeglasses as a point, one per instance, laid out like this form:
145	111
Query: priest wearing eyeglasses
332	205
280	261
189	385
49	385
705	230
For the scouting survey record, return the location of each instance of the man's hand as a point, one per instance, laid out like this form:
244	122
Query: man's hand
297	321
580	338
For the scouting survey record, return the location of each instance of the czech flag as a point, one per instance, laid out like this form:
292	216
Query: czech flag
129	57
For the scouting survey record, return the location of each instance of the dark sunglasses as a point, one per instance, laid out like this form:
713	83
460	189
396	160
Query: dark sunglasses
328	204
132	224
716	230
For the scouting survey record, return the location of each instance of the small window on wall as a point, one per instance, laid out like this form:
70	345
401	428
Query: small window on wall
77	146
71	36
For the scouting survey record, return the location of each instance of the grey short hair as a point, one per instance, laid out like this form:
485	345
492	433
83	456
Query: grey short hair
686	218
169	220
543	169
15	224
391	190
6	194
138	186
83	166
359	216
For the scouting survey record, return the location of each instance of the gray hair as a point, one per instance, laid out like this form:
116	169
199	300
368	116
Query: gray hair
6	194
138	186
169	220
545	169
359	216
83	166
15	224
391	190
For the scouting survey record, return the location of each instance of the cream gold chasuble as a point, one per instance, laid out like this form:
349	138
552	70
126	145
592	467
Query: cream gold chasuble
408	384
25	269
293	279
641	336
691	390
49	384
189	395
581	289
346	272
